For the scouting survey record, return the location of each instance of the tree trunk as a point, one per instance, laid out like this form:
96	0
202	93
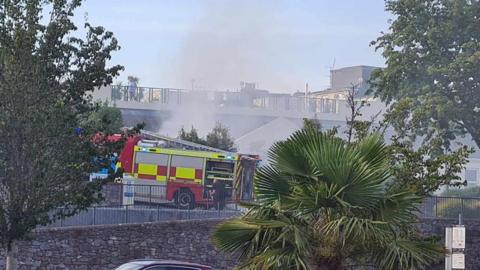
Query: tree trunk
11	261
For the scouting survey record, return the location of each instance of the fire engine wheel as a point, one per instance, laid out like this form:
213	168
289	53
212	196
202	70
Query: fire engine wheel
184	199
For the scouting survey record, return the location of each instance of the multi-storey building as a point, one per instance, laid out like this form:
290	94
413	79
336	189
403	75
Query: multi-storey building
256	117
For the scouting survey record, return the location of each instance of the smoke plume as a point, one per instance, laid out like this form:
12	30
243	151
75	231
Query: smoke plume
237	41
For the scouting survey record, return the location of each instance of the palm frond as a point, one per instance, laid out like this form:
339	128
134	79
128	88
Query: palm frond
323	197
373	151
271	185
362	231
288	156
310	199
399	207
262	230
277	259
234	235
406	254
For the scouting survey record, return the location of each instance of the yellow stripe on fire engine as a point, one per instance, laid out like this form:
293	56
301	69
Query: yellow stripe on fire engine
161	178
186	173
187	153
149	169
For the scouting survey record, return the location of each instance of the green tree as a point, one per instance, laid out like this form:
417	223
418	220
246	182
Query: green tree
325	204
191	136
103	119
220	138
431	80
315	124
46	73
356	128
312	124
423	168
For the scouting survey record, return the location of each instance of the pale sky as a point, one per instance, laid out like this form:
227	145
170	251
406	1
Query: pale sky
278	44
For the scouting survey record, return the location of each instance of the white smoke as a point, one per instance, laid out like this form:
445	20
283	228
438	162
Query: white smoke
194	114
233	41
237	41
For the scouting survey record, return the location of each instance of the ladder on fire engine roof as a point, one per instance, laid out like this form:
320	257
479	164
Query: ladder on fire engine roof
178	143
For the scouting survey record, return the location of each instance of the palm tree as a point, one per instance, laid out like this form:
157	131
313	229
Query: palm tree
325	204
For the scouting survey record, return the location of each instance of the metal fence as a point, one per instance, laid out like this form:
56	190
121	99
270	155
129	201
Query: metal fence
268	101
144	203
433	207
122	214
141	194
450	207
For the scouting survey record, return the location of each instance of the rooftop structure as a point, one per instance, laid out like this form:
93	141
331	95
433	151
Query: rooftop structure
343	79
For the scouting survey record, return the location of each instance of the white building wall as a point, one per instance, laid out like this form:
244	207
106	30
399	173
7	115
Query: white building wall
472	172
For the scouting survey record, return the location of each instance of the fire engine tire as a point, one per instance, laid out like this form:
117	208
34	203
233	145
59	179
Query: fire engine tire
184	199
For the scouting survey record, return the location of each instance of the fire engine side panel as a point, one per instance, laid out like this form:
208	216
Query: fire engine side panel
147	171
186	172
127	154
186	168
176	169
151	166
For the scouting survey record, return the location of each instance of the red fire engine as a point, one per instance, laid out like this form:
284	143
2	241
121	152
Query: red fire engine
171	170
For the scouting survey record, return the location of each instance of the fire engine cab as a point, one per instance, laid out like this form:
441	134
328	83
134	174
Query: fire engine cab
164	169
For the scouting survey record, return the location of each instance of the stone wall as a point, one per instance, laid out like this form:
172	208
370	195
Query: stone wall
472	245
107	246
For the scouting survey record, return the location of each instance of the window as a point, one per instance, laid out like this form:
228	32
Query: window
151	158
220	166
187	162
471	177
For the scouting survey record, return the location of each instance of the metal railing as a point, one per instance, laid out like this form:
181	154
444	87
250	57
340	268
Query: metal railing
432	207
122	214
268	101
147	203
450	207
141	194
